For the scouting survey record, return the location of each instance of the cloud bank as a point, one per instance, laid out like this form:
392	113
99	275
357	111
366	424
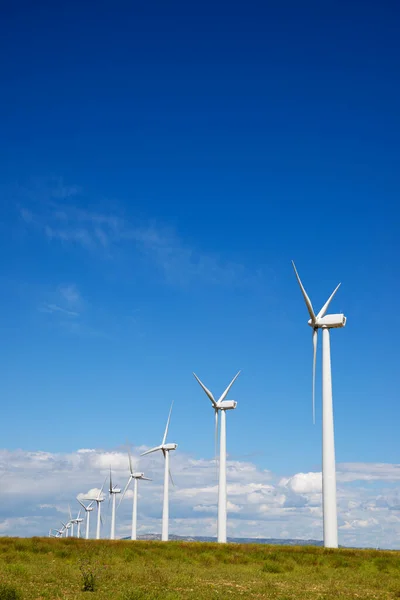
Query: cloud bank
37	487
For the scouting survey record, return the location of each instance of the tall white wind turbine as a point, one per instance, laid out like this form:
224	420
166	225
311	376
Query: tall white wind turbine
134	476
166	449
99	499
325	322
88	509
221	405
113	491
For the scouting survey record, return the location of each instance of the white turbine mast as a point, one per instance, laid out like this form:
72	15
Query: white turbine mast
88	509
221	405
325	322
134	476
166	449
71	521
113	491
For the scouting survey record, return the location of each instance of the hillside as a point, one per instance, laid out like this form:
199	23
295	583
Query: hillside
49	569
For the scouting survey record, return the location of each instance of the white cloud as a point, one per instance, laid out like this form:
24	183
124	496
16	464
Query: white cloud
368	472
40	486
304	483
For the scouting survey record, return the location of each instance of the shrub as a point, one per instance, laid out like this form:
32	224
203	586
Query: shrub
270	566
89	575
8	592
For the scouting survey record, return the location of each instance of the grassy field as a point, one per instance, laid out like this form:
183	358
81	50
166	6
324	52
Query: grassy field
43	568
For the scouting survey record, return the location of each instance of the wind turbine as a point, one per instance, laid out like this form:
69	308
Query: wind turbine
221	405
54	535
135	476
88	509
59	532
113	491
78	520
99	499
325	322
166	449
66	527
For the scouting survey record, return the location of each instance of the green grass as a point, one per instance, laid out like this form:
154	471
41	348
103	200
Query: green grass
51	569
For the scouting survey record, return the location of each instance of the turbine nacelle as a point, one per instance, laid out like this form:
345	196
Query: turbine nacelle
169	447
137	475
329	321
227	404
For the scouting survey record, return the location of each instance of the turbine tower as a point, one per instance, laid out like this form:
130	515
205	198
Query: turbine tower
71	521
135	477
222	406
113	491
99	499
88	510
166	449
325	322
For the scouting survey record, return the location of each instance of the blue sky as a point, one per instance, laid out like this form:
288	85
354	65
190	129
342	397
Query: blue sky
161	166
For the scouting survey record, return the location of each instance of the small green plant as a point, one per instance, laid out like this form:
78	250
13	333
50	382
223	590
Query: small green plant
8	592
89	575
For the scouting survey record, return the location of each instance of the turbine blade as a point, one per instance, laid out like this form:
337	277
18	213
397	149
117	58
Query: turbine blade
146	478
81	503
111	485
170	476
166	429
327	303
90	504
207	391
315	341
130	461
69	510
151	450
124	492
224	395
306	298
102	487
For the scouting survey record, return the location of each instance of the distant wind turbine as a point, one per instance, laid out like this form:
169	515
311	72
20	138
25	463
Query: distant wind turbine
66	527
78	520
113	491
325	322
88	509
99	499
166	449
135	476
54	535
221	405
